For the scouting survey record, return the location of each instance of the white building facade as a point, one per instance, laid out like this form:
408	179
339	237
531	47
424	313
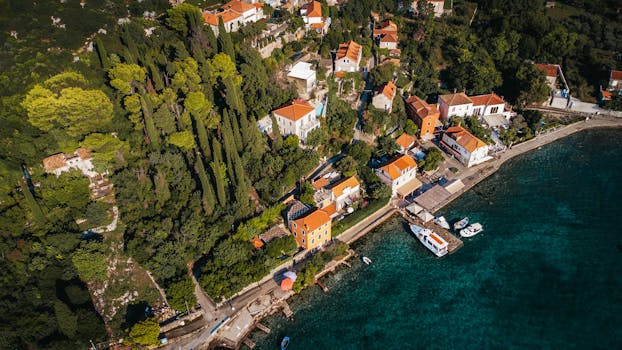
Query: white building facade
298	118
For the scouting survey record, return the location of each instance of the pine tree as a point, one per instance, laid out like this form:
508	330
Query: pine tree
225	44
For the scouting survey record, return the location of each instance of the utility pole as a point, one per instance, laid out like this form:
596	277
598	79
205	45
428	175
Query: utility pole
92	345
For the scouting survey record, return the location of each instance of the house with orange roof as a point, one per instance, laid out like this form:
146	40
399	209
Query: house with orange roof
297	118
406	142
458	104
438	6
467	148
234	14
388	41
345	191
487	104
312	230
400	175
550	71
386	27
424	115
312	17
348	57
384	97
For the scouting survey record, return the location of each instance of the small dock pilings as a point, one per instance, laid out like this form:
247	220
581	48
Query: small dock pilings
453	242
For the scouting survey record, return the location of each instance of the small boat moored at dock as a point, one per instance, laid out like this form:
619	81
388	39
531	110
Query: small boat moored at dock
442	222
472	230
366	260
461	224
435	243
284	343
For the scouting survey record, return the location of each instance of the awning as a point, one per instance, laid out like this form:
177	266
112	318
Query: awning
454	186
425	216
414	209
409	187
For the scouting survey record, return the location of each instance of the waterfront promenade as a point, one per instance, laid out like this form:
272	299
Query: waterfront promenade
200	339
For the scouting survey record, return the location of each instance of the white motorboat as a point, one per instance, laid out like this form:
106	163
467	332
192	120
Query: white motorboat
435	243
461	224
442	222
366	260
472	230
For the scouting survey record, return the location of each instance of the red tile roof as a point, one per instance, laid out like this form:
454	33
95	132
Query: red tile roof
227	16
54	162
350	50
487	100
389	38
549	69
314	9
421	108
464	138
455	99
616	75
238	6
317	25
295	110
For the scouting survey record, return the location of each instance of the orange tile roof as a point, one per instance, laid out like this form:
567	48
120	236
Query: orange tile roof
227	16
83	153
312	221
320	183
340	74
487	100
395	52
387	27
394	169
258	5
330	209
606	94
455	99
343	184
549	69
464	138
420	107
389	90
257	243
314	9
295	110
54	162
616	75
393	61
405	140
317	25
238	6
350	50
389	38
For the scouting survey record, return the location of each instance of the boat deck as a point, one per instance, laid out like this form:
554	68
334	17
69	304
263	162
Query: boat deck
453	243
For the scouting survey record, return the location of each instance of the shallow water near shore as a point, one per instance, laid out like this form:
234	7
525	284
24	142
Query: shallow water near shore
545	273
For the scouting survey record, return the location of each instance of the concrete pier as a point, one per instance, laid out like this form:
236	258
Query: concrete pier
453	243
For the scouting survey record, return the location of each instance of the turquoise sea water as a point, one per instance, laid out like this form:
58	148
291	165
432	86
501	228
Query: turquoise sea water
545	274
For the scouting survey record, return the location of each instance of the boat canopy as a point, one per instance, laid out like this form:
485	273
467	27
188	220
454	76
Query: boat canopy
425	216
414	209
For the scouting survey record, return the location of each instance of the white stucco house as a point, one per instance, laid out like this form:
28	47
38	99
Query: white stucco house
312	17
461	105
297	118
383	100
303	76
467	148
348	57
234	14
400	175
437	4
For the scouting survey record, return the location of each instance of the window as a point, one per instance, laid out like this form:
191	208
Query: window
303	241
325	240
294	225
326	232
295	234
494	110
303	232
312	241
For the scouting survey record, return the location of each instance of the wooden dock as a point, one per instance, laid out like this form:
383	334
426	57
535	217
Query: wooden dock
287	310
249	343
321	285
453	242
263	328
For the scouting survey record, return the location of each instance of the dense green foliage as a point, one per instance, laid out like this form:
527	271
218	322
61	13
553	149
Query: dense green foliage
311	267
431	160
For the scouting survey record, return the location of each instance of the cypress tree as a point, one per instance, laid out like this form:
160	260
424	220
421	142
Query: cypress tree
155	75
211	39
218	176
225	44
277	139
235	129
152	132
101	52
208	197
203	138
229	150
